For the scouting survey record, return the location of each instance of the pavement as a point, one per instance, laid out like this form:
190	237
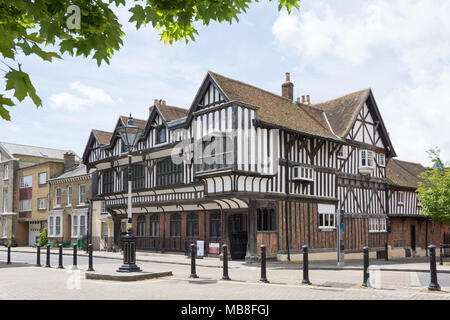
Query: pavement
420	264
23	280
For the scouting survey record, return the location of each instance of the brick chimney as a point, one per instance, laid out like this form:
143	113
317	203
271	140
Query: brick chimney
69	160
287	88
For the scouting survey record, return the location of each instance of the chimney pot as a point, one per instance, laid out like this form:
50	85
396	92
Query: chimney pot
163	102
298	100
308	101
303	99
288	77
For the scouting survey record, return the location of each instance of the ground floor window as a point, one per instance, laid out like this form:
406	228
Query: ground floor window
79	224
141	226
192	225
175	225
215	225
154	225
55	222
377	225
266	220
326	215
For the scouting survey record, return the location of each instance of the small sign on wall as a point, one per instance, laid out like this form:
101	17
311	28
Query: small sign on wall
214	248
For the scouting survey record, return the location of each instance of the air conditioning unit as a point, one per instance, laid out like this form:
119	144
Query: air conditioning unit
366	170
302	174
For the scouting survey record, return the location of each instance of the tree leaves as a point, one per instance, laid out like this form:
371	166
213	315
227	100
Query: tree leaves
434	189
29	26
19	81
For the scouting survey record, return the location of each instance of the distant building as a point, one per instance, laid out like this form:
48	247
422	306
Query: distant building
410	231
68	204
24	192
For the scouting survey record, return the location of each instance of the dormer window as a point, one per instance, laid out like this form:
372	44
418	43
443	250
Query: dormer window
161	135
366	163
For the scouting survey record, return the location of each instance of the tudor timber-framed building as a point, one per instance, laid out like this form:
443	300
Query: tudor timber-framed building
289	168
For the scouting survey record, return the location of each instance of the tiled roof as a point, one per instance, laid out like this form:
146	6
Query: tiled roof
137	122
403	173
342	112
171	113
103	137
79	170
275	109
20	149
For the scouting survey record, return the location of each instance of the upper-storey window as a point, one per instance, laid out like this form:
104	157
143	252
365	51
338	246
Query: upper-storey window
216	153
5	172
168	173
401	197
42	178
367	158
137	177
161	135
26	182
58	197
108	181
342	153
382	160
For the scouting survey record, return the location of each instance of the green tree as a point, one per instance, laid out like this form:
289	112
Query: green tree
434	190
89	28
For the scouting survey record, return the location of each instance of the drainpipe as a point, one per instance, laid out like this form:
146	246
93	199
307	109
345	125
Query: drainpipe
286	183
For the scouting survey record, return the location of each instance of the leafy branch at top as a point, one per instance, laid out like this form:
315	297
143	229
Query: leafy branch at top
28	27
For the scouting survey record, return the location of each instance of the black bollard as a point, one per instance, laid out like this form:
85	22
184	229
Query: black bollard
263	265
386	253
441	256
60	265
305	266
75	257
434	285
225	262
366	267
47	265
193	272
9	255
91	267
38	257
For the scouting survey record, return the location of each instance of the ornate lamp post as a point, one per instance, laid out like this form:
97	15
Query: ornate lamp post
130	134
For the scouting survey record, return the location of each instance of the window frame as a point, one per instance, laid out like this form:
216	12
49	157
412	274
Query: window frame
80	202
69	196
21	206
266	219
39	178
344	154
141	225
5	171
56	204
175	223
81	228
329	218
108	185
215	224
22	181
169	173
52	226
158	131
377	225
401	198
155	225
5	200
192	225
39	203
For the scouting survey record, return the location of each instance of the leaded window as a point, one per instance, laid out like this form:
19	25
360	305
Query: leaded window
192	225
168	173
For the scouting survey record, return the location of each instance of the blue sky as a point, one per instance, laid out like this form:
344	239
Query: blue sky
400	49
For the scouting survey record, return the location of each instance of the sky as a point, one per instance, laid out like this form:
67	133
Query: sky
400	49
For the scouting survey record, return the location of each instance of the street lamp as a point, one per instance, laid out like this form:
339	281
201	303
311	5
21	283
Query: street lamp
130	134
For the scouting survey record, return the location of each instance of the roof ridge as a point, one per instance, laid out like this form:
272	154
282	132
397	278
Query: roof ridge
29	145
250	85
345	95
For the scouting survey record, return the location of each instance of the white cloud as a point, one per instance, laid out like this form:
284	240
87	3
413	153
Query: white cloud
396	37
81	97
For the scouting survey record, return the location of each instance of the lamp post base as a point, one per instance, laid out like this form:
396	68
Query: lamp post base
129	254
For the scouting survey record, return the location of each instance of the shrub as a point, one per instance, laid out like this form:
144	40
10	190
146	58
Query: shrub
43	237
